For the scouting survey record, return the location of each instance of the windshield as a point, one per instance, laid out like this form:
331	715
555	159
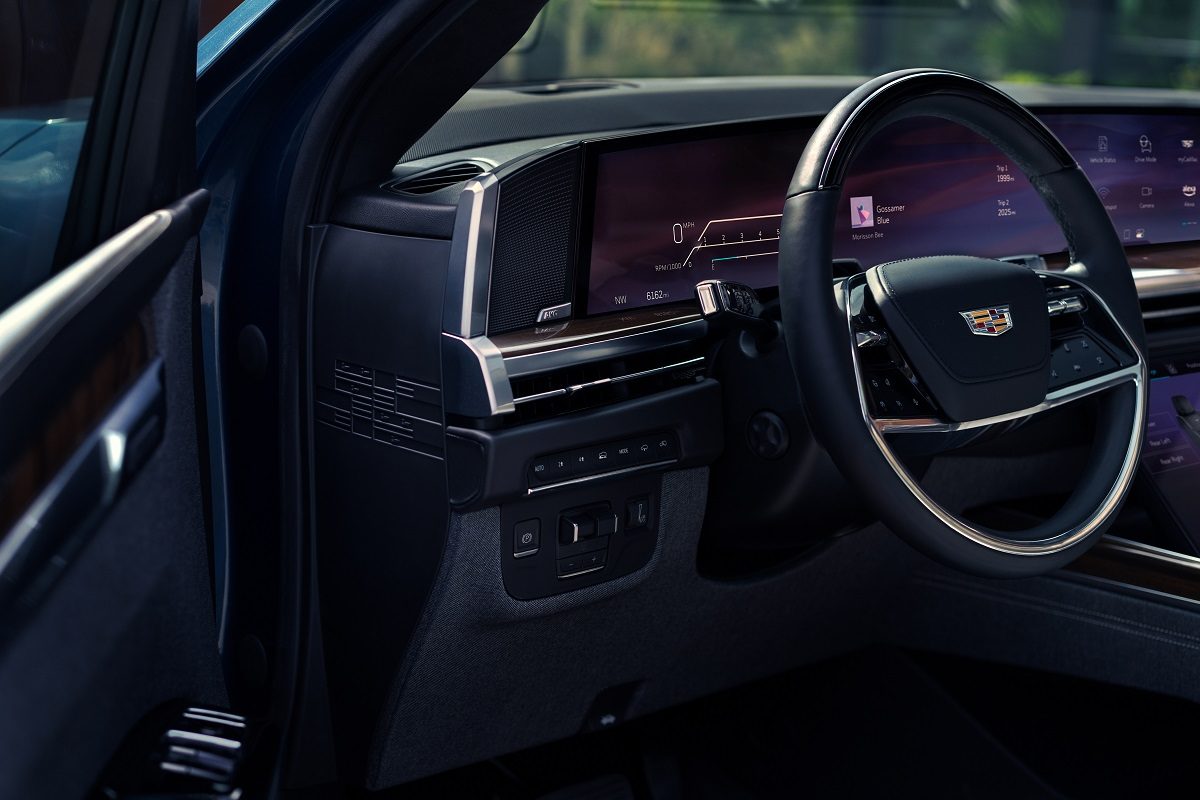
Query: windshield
1149	43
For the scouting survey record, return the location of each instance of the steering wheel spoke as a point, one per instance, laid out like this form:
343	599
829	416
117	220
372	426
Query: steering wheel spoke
1090	353
1055	398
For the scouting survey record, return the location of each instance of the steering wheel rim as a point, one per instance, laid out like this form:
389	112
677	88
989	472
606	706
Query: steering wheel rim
820	328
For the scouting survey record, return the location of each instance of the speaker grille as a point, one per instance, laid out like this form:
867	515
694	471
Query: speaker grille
535	240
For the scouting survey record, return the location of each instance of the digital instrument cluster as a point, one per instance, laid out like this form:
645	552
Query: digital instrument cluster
663	211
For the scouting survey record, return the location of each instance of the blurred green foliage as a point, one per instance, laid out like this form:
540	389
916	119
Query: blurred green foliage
1150	43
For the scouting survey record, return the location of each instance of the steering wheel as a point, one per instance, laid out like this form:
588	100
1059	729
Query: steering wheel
932	346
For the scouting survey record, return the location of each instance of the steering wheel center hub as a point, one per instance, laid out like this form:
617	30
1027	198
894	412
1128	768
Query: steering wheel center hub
975	329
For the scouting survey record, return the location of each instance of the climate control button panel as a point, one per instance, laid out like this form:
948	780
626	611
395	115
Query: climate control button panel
651	449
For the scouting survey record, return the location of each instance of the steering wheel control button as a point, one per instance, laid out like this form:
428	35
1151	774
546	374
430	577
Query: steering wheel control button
1058	306
637	513
890	394
733	306
526	538
976	330
1077	358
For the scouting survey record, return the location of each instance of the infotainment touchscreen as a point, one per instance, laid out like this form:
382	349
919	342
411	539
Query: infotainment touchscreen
666	211
1171	453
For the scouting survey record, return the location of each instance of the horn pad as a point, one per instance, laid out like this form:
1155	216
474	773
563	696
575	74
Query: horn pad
975	330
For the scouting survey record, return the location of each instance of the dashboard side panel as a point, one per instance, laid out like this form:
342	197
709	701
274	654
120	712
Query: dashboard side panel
381	497
532	672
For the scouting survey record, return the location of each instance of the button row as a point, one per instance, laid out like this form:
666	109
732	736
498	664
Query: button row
607	457
1076	359
583	536
892	395
582	564
576	526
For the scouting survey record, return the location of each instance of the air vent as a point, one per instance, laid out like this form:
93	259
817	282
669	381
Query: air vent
566	87
598	383
1168	312
438	178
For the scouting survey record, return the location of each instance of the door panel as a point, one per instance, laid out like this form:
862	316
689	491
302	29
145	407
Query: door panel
106	603
130	623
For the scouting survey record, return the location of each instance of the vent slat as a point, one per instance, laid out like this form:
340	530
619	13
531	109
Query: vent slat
438	178
1170	312
599	383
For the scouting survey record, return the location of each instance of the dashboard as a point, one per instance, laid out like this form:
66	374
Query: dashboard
662	211
516	359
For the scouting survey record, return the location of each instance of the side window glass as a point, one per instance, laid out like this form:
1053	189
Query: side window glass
222	22
214	11
52	53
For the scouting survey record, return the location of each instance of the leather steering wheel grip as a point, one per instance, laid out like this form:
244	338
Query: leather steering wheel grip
818	340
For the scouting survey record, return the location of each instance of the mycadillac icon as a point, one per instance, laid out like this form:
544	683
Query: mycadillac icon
988	321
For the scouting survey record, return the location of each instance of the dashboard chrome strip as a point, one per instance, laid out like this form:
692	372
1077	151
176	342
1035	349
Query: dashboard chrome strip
598	476
1140	550
1162	282
531	398
1137	567
1171	312
632	376
580	572
468	280
476	356
620	343
476	382
980	536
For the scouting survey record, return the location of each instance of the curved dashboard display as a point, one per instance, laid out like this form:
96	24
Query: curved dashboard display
663	211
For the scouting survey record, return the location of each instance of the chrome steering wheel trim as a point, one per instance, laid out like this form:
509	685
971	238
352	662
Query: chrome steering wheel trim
1137	374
